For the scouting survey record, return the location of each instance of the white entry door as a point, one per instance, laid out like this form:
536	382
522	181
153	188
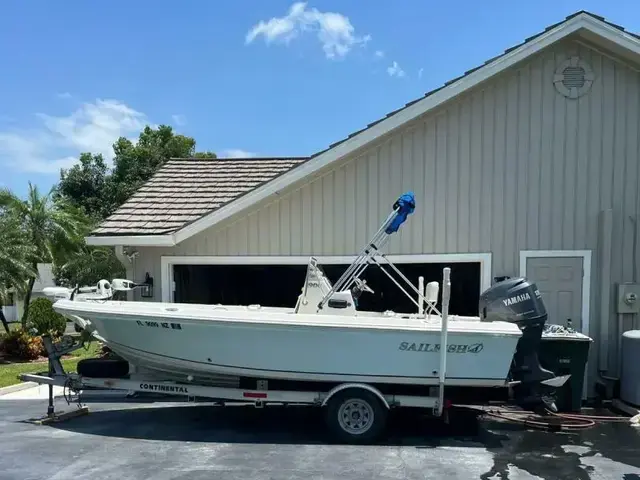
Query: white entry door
559	280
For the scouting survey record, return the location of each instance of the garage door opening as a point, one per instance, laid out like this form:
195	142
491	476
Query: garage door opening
280	285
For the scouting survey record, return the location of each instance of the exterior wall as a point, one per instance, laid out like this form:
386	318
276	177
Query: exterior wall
10	313
19	306
511	166
45	279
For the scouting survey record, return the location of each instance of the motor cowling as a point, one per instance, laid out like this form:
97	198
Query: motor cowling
518	300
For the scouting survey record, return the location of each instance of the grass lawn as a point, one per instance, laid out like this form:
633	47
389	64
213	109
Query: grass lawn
9	372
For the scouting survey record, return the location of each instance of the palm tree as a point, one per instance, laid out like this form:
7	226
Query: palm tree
52	226
87	266
16	261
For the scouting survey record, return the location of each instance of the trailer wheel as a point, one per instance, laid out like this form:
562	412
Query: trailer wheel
356	415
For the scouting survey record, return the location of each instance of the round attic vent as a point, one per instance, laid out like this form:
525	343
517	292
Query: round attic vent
573	78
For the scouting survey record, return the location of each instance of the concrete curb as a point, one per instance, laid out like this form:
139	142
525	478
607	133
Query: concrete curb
17	387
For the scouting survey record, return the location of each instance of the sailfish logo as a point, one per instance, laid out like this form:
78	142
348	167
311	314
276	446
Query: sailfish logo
475	348
435	347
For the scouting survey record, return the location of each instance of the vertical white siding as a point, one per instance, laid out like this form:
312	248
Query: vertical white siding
513	165
510	166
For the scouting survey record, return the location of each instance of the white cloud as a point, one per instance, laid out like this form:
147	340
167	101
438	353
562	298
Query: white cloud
379	54
236	153
334	30
63	95
179	119
28	153
395	71
57	143
420	72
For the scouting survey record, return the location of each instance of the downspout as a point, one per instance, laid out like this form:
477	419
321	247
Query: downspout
636	226
128	262
606	231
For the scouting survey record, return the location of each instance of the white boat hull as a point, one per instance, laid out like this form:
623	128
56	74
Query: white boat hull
269	343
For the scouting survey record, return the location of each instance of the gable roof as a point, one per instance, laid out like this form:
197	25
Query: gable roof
184	190
588	25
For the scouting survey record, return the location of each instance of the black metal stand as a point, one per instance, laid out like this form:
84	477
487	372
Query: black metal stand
57	370
50	408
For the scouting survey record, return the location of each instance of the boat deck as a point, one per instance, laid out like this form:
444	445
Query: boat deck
251	314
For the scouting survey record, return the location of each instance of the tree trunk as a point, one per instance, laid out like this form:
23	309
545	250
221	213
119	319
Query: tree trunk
27	300
3	319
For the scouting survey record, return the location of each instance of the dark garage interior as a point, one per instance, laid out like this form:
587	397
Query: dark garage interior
280	285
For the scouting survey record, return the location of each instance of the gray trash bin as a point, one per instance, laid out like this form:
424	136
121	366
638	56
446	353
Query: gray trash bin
630	375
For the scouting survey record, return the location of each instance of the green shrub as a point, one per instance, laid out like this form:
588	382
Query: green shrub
21	344
44	319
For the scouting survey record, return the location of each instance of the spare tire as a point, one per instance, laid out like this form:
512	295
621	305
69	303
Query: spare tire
103	368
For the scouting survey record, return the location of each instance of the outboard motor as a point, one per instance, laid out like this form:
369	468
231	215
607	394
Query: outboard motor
518	301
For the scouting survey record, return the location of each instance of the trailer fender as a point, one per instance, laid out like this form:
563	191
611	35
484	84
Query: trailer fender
362	386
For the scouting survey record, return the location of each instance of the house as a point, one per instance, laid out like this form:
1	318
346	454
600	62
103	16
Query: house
14	310
45	279
525	165
10	309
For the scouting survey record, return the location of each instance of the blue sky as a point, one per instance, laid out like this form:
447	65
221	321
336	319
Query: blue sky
241	77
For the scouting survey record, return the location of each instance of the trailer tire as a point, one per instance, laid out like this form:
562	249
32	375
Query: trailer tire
103	368
356	415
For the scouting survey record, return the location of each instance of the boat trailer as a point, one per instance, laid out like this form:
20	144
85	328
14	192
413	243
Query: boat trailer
355	412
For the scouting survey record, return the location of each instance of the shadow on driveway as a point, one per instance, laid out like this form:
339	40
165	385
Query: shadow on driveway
544	454
246	424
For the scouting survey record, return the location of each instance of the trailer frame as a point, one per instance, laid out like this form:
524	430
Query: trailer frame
355	412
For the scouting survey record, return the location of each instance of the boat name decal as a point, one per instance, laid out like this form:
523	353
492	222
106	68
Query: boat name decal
163	388
516	299
435	347
174	326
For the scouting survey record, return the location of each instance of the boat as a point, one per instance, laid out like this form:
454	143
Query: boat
324	337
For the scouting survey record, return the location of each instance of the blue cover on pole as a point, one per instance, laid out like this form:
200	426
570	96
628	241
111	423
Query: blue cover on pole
406	204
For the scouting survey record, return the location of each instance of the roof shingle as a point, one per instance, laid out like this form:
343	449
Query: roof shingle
184	190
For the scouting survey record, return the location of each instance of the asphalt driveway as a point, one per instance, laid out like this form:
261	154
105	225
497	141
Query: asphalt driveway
169	441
